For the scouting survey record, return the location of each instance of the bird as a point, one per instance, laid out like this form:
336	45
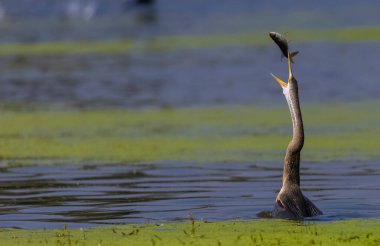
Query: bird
290	202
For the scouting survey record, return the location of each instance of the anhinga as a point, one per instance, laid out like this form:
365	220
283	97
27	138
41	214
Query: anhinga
290	202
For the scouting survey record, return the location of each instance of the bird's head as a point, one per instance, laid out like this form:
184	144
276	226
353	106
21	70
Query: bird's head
291	84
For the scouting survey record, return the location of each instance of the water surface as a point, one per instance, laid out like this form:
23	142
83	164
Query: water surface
326	72
185	77
92	195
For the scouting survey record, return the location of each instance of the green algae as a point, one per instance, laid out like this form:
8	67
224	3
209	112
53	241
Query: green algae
214	134
165	43
258	232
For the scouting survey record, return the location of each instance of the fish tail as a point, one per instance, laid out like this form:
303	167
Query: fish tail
292	54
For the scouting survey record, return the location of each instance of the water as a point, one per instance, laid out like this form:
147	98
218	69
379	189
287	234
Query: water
92	195
180	77
235	75
41	20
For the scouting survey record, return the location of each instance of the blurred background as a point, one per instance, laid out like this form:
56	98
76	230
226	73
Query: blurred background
165	53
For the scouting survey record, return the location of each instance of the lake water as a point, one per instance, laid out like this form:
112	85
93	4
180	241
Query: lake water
326	72
185	77
92	195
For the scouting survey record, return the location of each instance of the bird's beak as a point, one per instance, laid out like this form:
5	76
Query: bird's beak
279	81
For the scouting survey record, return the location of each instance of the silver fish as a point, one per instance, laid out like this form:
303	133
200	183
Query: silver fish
282	43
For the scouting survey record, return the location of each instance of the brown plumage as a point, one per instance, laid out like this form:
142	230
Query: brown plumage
290	202
282	43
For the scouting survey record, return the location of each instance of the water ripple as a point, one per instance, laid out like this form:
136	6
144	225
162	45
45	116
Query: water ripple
90	195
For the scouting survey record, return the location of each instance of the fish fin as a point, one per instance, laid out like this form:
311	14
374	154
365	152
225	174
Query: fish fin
293	54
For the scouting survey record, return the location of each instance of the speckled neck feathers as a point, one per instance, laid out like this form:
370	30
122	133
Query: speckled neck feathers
292	157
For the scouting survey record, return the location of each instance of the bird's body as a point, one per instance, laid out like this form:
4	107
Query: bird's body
290	202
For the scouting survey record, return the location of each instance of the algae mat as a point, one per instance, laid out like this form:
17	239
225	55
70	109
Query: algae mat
259	232
165	43
240	133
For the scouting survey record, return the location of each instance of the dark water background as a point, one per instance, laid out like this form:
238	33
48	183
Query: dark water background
91	195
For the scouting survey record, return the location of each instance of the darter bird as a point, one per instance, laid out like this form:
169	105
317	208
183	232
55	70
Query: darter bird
290	202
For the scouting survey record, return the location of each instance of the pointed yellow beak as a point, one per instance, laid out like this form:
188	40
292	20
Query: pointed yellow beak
279	81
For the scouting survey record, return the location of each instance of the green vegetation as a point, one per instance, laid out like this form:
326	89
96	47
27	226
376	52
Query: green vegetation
241	133
258	232
357	34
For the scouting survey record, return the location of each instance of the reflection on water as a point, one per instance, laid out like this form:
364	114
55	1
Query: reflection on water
90	195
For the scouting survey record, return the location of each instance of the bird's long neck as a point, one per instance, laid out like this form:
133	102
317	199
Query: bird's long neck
292	157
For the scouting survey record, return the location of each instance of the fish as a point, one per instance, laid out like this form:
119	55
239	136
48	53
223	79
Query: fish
282	43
